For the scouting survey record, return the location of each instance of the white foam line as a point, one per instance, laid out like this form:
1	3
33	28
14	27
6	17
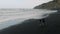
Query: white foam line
21	15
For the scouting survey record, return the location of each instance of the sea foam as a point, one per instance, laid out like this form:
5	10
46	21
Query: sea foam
13	17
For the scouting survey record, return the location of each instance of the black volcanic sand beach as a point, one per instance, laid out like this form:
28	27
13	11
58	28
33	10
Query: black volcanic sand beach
31	26
53	23
49	25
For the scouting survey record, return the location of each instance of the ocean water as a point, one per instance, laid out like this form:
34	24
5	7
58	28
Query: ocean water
9	17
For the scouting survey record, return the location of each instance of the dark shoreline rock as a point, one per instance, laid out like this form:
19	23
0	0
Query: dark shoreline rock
55	4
